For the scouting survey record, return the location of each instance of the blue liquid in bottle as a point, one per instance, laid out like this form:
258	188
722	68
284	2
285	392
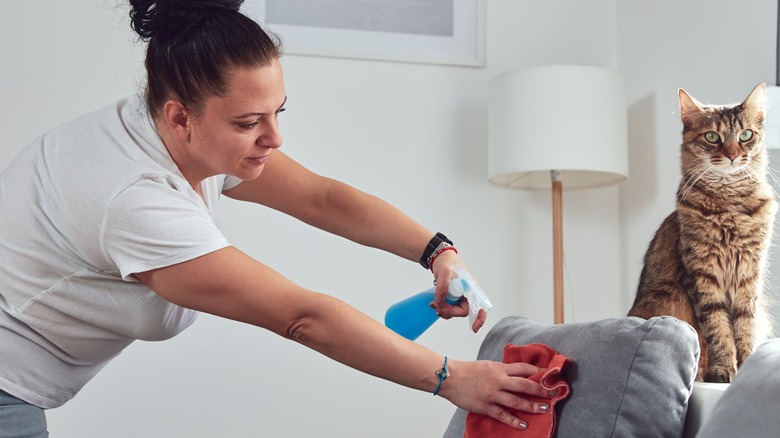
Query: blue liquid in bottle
412	316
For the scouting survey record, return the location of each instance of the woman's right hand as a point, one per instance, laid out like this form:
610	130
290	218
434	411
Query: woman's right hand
490	388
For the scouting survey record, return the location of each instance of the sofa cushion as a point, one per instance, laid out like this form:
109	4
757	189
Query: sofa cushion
628	376
750	406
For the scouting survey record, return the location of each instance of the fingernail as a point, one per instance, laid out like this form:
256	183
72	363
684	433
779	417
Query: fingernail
553	393
544	407
522	425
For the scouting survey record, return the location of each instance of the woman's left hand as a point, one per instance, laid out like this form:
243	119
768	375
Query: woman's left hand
442	273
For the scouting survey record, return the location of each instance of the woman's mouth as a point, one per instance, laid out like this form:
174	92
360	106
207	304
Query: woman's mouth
259	159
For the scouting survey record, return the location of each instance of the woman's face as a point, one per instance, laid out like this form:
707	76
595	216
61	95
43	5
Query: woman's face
236	134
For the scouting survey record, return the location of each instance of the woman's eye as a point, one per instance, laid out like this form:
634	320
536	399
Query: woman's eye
712	137
745	135
248	126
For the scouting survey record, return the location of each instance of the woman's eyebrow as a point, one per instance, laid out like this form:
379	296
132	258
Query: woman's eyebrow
256	114
283	102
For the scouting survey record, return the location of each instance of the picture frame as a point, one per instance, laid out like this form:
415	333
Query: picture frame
333	28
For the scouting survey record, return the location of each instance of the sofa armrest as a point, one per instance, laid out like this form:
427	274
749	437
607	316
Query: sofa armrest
704	397
750	406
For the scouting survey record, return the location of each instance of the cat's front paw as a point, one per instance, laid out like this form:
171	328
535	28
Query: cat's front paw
719	375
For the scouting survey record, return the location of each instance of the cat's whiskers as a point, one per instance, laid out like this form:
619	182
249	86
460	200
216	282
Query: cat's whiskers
751	177
770	170
771	174
693	176
749	172
686	188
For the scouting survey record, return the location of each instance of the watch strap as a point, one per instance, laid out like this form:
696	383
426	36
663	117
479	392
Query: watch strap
433	244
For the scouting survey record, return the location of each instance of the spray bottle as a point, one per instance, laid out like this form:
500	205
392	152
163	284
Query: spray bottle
412	316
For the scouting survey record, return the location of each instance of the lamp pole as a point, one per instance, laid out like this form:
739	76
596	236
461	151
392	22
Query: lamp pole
557	206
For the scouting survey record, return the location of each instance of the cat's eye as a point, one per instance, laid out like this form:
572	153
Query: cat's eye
745	135
712	136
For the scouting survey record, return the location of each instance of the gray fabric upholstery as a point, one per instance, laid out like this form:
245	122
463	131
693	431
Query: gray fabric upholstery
629	377
750	407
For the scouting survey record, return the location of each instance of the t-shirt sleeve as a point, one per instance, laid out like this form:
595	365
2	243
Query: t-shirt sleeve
153	224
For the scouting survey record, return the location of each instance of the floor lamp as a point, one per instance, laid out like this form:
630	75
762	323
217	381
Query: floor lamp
557	125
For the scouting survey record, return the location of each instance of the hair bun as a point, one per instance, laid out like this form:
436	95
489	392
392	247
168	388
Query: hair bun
165	18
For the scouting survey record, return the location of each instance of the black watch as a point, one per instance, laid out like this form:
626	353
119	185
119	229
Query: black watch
432	245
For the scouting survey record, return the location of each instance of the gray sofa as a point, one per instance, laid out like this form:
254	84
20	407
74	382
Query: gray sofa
631	377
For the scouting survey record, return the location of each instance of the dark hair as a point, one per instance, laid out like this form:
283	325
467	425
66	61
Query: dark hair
192	44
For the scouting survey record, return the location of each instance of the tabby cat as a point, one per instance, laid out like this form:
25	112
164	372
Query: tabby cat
706	263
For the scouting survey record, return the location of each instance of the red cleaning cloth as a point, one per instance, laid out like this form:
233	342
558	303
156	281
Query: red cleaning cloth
539	425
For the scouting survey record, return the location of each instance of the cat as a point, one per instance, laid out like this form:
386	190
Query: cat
705	265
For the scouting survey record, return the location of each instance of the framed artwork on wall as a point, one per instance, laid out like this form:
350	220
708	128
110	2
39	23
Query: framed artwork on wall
423	31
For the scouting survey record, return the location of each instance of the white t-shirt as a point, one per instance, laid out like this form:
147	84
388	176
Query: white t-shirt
81	209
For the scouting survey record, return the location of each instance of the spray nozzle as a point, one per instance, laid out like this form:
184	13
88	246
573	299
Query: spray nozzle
463	284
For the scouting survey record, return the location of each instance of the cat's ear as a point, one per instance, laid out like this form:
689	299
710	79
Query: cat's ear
688	105
756	100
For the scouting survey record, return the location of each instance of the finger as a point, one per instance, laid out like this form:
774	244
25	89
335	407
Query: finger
520	403
506	417
446	310
522	369
523	386
442	286
438	308
443	309
461	308
479	321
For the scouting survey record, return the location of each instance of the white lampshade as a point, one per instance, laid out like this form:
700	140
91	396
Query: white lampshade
567	118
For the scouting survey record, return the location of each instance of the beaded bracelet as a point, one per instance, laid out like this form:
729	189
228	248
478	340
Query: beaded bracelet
444	246
443	373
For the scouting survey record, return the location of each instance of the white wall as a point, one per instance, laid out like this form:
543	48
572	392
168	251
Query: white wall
415	135
716	50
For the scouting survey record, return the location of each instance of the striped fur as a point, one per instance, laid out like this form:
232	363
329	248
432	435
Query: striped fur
706	263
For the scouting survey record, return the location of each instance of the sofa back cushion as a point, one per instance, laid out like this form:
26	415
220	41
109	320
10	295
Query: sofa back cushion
629	377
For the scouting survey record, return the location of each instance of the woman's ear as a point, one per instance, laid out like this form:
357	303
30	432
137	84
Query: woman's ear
176	117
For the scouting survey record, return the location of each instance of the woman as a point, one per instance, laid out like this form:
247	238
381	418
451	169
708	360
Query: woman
112	238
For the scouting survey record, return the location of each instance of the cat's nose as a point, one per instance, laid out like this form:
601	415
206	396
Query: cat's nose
731	152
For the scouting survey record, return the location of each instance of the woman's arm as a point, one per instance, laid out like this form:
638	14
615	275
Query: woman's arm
340	209
333	206
230	284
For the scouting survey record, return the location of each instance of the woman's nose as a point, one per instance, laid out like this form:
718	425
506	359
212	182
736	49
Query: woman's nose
271	137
